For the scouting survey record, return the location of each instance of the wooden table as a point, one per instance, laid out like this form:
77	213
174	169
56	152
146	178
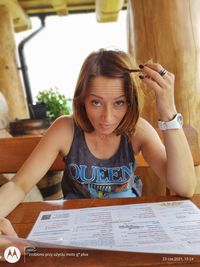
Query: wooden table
24	216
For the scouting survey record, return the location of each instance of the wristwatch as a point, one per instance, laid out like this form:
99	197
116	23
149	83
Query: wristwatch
175	123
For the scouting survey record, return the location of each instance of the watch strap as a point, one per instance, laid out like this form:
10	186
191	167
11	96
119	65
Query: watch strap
175	123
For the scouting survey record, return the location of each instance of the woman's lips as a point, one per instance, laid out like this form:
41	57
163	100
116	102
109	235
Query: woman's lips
106	125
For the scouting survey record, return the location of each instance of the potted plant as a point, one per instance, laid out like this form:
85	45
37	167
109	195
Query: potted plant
38	111
57	103
50	104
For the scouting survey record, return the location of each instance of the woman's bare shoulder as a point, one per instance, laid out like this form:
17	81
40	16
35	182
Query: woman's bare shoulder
61	132
64	121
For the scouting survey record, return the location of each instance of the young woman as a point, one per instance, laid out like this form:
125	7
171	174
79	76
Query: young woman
105	132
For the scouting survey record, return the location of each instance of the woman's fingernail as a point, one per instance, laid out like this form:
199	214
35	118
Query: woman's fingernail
141	77
141	66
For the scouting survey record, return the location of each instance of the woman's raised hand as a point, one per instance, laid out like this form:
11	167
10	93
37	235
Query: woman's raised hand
162	83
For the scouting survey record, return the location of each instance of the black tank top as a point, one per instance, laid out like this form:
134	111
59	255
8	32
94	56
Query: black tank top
86	176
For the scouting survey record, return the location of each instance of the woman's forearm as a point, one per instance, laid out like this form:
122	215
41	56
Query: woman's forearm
180	171
10	196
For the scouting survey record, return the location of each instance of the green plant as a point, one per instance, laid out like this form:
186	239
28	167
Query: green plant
58	104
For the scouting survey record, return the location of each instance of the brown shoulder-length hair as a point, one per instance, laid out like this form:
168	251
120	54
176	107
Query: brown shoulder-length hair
112	64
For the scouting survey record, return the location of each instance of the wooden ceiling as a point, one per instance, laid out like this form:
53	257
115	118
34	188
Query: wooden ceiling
21	10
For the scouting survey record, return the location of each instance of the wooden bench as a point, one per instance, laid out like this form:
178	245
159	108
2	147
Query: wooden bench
15	150
13	153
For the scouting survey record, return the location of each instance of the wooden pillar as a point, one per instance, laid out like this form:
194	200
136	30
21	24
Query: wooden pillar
10	84
168	32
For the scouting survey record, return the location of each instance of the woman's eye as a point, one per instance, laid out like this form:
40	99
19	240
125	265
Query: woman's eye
119	103
96	103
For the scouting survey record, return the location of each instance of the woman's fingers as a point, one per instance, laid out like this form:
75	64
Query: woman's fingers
8	238
155	66
153	76
152	84
6	227
153	72
162	83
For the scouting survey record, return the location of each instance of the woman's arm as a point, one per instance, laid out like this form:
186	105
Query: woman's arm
181	176
172	162
57	139
168	165
11	195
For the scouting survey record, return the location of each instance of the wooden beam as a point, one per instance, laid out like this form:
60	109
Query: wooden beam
20	19
107	11
60	7
45	6
10	82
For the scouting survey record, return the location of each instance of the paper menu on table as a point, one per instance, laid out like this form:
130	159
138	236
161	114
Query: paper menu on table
163	227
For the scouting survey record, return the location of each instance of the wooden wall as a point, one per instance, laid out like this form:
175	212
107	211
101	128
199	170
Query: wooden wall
168	32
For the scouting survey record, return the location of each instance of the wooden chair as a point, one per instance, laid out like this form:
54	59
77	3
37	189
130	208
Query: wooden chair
14	151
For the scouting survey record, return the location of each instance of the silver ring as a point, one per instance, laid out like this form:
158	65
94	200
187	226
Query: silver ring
163	72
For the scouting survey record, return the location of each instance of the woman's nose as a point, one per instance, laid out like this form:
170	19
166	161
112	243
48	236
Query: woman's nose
107	114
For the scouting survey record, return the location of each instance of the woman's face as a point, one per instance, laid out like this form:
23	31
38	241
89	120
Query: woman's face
106	104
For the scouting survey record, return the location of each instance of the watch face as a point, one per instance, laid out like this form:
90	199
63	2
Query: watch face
180	119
